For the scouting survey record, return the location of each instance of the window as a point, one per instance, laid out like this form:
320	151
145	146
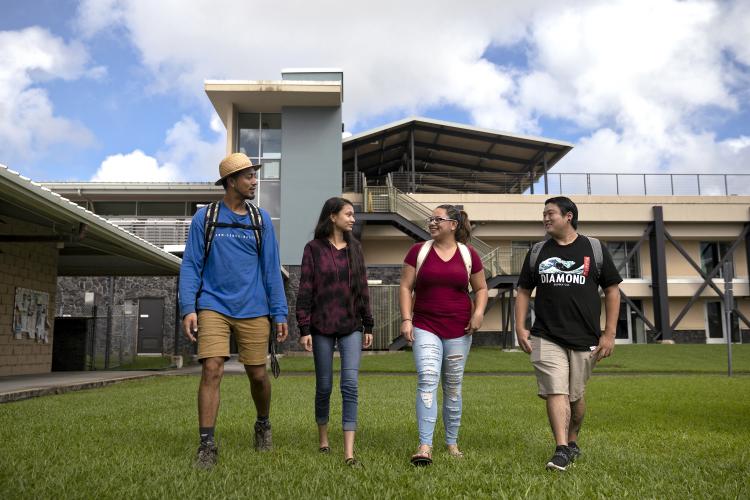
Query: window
711	254
619	250
260	139
249	131
115	207
163	208
271	169
270	134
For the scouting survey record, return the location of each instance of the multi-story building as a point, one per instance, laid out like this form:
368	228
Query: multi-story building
670	234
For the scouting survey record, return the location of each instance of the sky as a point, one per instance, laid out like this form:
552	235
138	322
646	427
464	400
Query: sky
112	90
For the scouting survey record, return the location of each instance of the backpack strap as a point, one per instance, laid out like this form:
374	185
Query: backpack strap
536	249
463	249
466	256
257	221
596	246
422	255
209	228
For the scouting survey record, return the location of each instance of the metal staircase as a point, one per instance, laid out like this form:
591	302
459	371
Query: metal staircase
388	205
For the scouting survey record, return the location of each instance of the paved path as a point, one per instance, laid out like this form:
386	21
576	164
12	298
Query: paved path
18	387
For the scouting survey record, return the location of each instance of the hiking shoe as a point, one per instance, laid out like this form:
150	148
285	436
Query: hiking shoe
560	460
263	436
208	454
574	451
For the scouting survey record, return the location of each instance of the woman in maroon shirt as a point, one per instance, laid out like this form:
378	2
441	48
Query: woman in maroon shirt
333	309
437	317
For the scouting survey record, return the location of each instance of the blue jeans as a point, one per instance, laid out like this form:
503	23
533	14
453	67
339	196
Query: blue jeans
350	348
435	356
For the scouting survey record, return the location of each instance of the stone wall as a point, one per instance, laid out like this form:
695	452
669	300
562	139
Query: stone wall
116	308
32	266
389	275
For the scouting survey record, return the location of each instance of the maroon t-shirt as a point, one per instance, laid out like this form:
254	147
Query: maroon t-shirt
442	304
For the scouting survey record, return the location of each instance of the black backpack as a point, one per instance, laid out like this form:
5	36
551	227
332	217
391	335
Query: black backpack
210	223
596	246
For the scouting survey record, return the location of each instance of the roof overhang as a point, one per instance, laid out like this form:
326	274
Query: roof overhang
443	148
269	96
88	244
141	191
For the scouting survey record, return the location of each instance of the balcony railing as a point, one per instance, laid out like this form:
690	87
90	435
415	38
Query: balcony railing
159	231
561	183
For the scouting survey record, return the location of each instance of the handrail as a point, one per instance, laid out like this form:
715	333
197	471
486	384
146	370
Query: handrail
391	200
568	183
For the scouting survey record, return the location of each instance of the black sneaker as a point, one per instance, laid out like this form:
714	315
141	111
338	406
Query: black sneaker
560	460
263	436
208	454
574	451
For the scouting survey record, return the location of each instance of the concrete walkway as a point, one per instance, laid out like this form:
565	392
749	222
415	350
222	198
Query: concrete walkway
18	387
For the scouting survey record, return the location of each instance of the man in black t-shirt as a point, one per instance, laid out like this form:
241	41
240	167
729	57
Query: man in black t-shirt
566	340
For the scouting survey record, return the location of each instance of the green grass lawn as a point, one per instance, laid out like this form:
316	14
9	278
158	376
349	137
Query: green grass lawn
652	358
645	437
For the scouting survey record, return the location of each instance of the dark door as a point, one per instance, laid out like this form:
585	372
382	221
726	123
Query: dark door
69	344
150	325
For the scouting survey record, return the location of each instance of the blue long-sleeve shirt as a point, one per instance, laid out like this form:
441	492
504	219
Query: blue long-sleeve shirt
236	282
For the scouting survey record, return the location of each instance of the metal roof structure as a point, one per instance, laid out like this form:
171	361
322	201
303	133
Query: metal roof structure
142	191
439	156
88	244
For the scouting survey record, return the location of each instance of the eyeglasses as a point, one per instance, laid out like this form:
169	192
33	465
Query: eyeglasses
436	220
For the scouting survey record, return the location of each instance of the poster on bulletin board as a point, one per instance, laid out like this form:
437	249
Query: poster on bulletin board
30	315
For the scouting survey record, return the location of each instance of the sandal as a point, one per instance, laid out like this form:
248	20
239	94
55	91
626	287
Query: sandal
353	463
324	449
421	458
455	452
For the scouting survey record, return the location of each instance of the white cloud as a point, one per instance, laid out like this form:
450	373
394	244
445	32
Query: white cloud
186	157
135	167
28	124
634	77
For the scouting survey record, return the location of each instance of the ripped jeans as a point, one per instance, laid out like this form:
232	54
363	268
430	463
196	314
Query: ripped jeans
435	356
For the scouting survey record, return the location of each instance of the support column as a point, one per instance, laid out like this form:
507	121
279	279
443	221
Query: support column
356	171
413	166
660	296
546	182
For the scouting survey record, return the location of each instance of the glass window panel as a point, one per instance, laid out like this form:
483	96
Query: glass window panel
270	133
619	250
711	254
115	207
715	320
276	228
249	134
161	208
271	169
270	197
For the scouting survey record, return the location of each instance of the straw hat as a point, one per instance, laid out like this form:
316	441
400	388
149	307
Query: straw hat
233	164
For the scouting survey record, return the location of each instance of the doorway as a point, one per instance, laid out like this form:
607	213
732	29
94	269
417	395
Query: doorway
150	325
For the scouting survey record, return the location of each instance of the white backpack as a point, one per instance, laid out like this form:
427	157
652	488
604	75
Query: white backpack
465	255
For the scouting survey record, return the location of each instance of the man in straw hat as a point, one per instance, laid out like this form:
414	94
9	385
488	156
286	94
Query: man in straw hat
230	283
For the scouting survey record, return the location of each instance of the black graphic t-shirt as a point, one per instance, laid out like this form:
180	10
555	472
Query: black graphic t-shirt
567	304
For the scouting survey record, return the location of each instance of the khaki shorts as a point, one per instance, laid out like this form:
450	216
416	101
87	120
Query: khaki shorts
560	370
214	330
